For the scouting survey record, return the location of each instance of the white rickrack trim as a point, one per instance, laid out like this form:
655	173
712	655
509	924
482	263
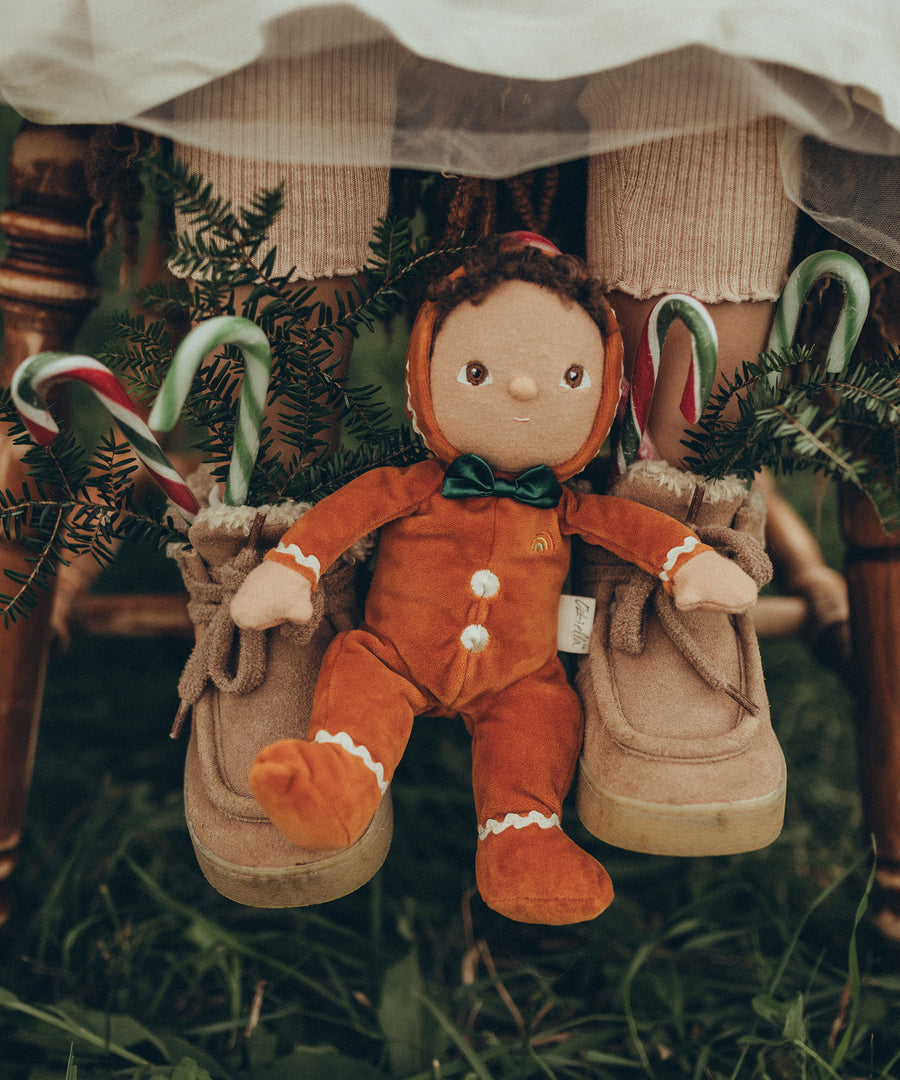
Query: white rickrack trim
309	561
517	821
675	554
345	742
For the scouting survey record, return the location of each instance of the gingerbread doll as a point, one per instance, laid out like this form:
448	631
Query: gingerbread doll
513	375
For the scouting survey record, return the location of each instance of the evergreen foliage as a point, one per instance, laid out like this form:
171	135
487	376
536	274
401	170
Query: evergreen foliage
74	504
83	501
792	415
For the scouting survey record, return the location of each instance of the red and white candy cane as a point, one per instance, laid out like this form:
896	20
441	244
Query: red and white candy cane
33	378
850	275
513	241
634	439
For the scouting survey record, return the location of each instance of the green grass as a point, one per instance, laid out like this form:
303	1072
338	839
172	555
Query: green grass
121	961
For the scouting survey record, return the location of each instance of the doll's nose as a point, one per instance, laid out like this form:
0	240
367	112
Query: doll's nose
523	388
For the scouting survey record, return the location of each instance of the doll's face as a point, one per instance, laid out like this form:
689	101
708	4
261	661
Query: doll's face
517	378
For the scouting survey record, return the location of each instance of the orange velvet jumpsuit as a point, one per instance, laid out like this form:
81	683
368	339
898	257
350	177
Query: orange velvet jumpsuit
461	618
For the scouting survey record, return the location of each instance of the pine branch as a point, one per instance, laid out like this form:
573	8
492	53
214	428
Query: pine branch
223	248
73	503
794	416
396	261
398	448
55	530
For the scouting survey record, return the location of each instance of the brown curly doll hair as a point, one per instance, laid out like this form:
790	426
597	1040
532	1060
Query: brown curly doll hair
489	264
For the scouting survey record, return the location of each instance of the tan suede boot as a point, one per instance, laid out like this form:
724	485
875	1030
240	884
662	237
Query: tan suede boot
246	690
679	754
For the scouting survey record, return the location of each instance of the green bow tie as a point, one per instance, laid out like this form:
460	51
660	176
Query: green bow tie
471	475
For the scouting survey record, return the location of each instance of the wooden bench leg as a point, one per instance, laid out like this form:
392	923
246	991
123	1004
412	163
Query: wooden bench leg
873	578
46	289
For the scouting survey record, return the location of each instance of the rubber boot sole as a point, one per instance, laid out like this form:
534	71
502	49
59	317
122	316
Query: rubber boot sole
301	885
717	828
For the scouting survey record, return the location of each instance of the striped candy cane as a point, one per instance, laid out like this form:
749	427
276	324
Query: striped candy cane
847	271
254	346
512	241
634	441
31	381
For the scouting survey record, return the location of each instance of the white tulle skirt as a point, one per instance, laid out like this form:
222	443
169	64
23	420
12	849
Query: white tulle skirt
483	87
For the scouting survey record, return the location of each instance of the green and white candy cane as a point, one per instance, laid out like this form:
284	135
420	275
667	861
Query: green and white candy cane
257	357
844	269
634	439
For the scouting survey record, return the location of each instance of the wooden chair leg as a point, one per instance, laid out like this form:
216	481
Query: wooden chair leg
873	579
46	289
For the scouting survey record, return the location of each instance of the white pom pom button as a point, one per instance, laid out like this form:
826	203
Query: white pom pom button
484	583
475	638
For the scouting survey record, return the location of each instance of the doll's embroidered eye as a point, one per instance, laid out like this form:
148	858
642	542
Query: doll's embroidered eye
575	377
475	374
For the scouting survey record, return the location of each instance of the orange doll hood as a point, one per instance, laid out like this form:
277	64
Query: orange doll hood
421	412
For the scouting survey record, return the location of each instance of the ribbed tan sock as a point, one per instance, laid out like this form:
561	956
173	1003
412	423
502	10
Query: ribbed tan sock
704	213
344	99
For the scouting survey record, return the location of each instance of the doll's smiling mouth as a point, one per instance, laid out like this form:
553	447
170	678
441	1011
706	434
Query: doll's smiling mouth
522	419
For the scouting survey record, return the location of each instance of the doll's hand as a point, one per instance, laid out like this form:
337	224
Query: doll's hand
270	595
711	581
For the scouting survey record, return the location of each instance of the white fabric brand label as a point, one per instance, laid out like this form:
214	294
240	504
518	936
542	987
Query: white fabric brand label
576	620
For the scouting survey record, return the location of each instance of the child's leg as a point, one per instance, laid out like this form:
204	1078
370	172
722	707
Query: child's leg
702	214
707	215
322	792
347	97
525	744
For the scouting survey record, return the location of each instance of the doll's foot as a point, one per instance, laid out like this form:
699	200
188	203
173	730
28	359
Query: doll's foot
539	875
317	795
